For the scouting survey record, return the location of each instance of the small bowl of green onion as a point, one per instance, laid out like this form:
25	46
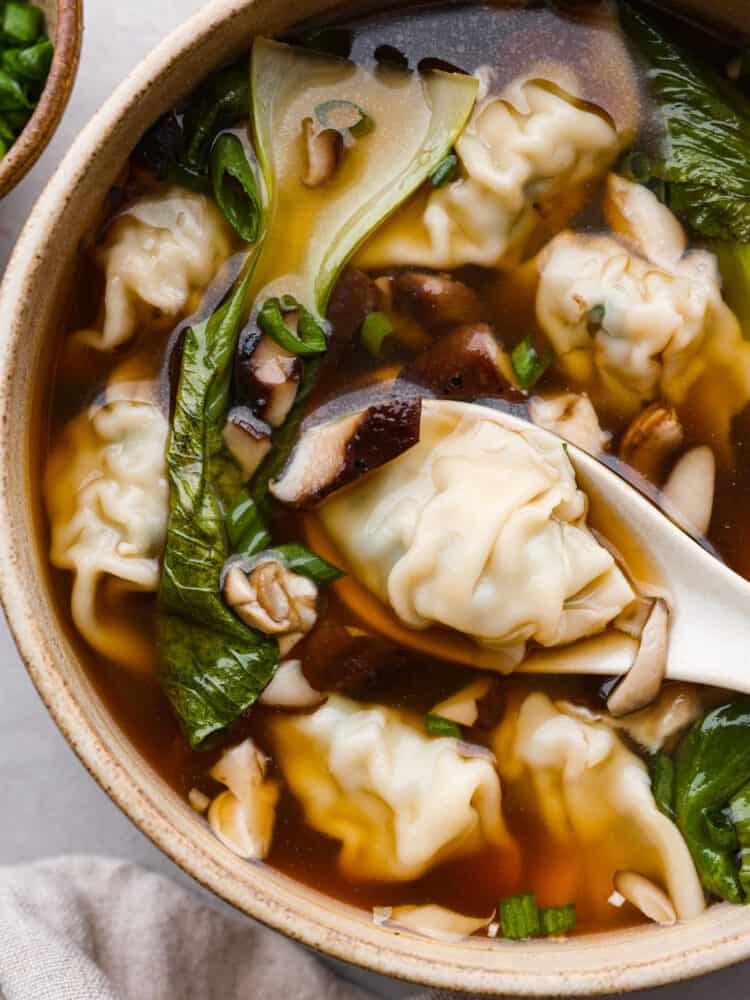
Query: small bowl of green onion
39	48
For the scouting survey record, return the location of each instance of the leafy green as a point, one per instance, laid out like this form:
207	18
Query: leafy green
212	666
445	171
220	103
739	808
235	187
734	264
436	725
22	23
528	364
705	159
309	337
299	559
350	213
661	771
711	766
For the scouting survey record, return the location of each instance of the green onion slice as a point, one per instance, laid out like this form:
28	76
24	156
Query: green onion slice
636	167
31	63
376	328
557	919
308	338
22	23
519	917
445	171
235	186
436	725
528	364
343	117
661	771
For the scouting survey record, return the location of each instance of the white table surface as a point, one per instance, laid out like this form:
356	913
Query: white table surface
50	804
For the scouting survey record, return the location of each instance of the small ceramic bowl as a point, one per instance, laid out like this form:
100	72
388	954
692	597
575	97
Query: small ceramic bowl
65	27
31	299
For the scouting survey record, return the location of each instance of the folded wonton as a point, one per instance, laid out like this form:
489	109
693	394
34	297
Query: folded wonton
638	318
523	155
107	499
399	801
593	799
480	527
158	253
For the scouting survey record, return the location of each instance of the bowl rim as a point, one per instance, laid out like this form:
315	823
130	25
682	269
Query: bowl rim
36	134
612	962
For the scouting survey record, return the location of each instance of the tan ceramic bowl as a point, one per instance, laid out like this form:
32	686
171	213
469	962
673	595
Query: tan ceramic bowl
65	28
29	302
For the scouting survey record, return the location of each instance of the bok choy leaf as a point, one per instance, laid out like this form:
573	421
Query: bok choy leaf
705	156
212	666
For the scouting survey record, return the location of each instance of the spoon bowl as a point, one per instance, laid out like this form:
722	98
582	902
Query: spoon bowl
709	635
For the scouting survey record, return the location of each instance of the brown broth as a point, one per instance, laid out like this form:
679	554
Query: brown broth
471	36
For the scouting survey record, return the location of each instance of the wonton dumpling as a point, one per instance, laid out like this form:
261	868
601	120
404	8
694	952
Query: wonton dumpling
398	800
480	527
243	816
522	155
583	783
640	319
158	252
107	498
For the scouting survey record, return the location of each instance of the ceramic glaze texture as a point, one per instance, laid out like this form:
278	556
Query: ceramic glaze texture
29	302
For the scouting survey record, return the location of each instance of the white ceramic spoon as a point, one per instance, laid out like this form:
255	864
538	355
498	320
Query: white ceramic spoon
709	637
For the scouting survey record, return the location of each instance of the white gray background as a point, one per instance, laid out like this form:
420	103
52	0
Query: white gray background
50	804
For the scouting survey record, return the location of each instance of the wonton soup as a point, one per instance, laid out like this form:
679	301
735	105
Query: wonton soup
306	549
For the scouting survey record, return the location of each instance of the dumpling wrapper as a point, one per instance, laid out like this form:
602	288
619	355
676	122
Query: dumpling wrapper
480	528
593	797
523	155
399	801
107	498
159	252
637	318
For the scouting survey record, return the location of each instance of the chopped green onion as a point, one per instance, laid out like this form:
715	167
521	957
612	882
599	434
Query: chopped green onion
12	97
235	187
344	116
528	364
246	528
436	725
739	806
445	171
22	23
661	771
375	329
636	167
309	337
331	41
519	917
299	559
557	919
31	63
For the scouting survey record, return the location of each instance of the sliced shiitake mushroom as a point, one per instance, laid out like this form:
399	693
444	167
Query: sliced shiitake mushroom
323	148
354	296
436	300
652	438
642	683
268	378
335	452
464	365
248	438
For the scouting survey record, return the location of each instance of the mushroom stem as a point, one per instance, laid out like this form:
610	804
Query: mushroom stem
323	153
642	683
